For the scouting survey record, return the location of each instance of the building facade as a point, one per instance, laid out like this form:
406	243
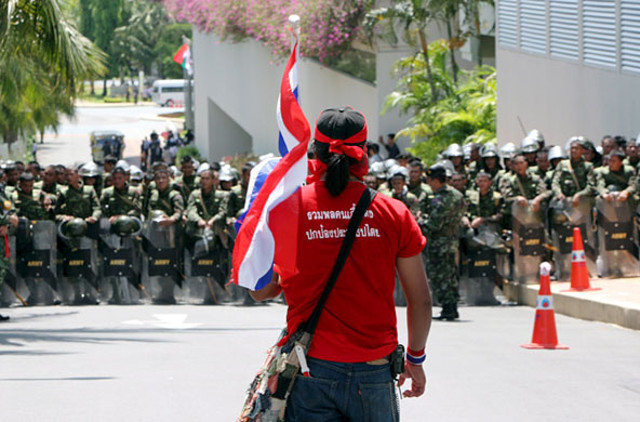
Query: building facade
568	67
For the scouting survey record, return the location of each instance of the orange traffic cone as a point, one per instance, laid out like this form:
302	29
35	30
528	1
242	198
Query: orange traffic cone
544	328
579	272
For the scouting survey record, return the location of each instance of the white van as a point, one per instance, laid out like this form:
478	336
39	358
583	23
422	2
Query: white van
168	92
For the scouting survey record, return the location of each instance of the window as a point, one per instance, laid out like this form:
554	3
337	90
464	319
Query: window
533	26
599	32
508	23
563	29
630	35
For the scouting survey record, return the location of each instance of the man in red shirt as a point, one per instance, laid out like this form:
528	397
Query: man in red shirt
349	357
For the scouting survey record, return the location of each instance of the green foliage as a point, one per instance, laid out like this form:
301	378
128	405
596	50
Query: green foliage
190	150
465	111
169	40
42	59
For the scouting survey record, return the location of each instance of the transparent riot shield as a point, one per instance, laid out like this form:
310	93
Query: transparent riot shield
207	265
529	242
79	275
486	259
36	262
13	289
161	269
120	270
563	217
617	239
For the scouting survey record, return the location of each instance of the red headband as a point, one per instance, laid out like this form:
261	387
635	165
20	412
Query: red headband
348	147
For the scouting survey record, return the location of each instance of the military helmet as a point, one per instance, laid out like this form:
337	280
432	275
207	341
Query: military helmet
175	171
75	228
202	168
448	166
123	165
466	149
136	173
454	150
537	136
489	150
379	170
125	225
529	145
226	175
399	171
556	152
508	149
389	163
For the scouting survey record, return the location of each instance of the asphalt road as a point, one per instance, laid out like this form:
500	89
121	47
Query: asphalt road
193	363
71	142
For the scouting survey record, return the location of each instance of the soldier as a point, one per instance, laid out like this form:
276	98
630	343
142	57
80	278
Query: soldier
121	198
415	185
33	204
591	154
543	167
189	181
207	206
7	218
556	154
455	154
574	177
77	200
440	223
400	191
523	186
459	182
484	205
616	181
371	181
12	175
529	148
240	190
163	198
633	158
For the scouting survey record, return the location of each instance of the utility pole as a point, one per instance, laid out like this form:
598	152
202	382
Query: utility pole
188	88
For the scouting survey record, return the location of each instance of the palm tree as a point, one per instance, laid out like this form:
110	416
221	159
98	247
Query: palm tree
43	58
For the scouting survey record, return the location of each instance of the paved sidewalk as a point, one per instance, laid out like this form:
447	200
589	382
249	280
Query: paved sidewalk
618	301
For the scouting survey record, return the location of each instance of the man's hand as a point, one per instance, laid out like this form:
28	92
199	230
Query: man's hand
418	380
623	196
575	200
522	201
165	222
607	197
90	220
560	197
4	230
202	223
535	204
112	219
477	222
14	220
66	217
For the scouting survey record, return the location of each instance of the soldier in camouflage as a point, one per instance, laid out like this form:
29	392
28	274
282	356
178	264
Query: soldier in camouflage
440	224
573	178
189	181
240	190
120	199
207	206
77	200
33	204
400	191
484	205
415	184
616	181
163	198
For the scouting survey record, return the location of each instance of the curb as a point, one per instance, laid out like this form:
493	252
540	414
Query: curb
570	304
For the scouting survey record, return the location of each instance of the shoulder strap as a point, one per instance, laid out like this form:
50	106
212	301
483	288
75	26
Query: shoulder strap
354	223
573	174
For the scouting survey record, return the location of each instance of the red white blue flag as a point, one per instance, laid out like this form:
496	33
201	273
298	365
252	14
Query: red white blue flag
254	247
183	58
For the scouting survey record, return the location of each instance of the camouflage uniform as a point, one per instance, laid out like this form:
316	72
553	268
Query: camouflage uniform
31	206
185	185
564	182
82	203
529	186
238	194
622	180
440	223
407	198
7	210
420	190
126	202
168	201
490	206
205	206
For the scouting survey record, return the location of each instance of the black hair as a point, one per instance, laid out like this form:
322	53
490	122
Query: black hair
186	159
373	147
337	175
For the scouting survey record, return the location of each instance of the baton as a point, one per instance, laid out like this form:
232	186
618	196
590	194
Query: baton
213	293
20	298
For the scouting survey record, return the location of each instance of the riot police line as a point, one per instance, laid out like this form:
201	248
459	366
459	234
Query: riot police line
127	261
609	231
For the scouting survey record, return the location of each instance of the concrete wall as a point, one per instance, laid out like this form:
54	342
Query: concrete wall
236	91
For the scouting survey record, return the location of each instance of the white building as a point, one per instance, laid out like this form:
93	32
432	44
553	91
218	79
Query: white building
568	67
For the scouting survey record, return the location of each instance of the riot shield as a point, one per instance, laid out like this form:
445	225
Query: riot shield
207	265
486	257
161	270
36	262
79	273
529	242
617	239
120	270
13	290
563	217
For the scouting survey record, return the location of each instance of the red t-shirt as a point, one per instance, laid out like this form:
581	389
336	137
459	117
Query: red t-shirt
358	322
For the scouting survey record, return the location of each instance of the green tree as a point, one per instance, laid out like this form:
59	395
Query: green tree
169	41
42	60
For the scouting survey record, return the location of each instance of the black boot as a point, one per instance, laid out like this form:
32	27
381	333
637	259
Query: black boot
449	313
4	318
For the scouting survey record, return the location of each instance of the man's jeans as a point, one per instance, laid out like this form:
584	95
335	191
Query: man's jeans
344	392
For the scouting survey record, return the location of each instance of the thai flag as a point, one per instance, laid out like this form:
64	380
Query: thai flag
254	247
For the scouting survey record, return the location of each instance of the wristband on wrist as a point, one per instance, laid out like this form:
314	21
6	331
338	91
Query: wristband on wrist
416	357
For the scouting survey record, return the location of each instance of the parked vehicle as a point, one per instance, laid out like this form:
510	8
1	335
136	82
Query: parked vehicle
168	92
106	142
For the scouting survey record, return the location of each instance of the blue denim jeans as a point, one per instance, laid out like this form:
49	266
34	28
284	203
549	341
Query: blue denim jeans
343	392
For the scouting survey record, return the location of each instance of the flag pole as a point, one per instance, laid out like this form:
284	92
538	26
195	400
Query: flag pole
188	106
294	22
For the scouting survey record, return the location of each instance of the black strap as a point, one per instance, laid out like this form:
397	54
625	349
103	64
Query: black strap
354	223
